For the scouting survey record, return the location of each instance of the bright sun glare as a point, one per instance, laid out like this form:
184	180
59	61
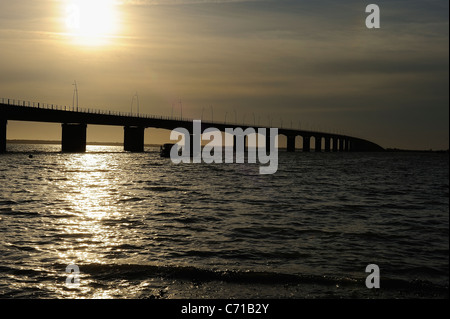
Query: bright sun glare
91	22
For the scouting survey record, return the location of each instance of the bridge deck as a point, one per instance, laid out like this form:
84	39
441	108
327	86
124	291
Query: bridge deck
16	110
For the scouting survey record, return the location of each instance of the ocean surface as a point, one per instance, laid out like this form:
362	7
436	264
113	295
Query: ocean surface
138	226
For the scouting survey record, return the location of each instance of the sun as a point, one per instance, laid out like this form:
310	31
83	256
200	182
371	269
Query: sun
91	22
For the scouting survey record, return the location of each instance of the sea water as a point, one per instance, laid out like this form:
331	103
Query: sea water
139	226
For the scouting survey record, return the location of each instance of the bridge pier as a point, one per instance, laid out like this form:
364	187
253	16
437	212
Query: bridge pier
306	143
290	143
327	144
345	145
73	137
341	144
318	144
133	138
245	143
194	152
335	144
3	124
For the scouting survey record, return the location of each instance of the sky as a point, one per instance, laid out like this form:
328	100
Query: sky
301	64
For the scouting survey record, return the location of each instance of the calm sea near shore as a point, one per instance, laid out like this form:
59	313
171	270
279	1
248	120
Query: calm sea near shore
139	226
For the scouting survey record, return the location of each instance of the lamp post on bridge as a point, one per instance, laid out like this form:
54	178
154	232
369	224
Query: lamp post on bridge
212	114
137	102
75	94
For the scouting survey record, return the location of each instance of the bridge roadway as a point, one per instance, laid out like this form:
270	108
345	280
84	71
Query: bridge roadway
75	120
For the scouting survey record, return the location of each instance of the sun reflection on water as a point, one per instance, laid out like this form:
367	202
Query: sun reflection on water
90	202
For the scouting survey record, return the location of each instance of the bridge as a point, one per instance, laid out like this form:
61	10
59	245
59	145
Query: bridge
74	123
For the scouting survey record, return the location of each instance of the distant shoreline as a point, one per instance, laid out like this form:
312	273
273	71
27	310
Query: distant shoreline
415	151
158	145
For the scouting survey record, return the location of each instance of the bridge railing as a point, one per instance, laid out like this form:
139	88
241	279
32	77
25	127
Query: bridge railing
48	106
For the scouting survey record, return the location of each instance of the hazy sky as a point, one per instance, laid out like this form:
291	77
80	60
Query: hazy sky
307	63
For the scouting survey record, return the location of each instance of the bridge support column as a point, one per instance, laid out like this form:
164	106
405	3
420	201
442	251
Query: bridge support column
341	144
335	144
318	144
346	145
245	143
306	143
327	144
194	139
133	138
290	143
234	143
3	124
267	143
73	137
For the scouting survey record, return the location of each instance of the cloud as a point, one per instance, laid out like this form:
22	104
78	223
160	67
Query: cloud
309	60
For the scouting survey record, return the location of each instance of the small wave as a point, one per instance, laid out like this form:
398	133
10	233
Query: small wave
134	271
369	235
153	164
401	207
187	220
128	247
245	255
7	202
278	232
21	213
23	247
130	199
161	189
99	170
421	270
73	235
58	179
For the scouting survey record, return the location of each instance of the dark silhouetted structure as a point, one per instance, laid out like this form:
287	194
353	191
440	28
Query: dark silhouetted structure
74	124
73	137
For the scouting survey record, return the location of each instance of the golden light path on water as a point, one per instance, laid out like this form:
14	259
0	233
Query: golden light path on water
93	204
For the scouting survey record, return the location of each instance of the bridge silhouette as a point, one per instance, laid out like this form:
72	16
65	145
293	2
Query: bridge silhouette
74	123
